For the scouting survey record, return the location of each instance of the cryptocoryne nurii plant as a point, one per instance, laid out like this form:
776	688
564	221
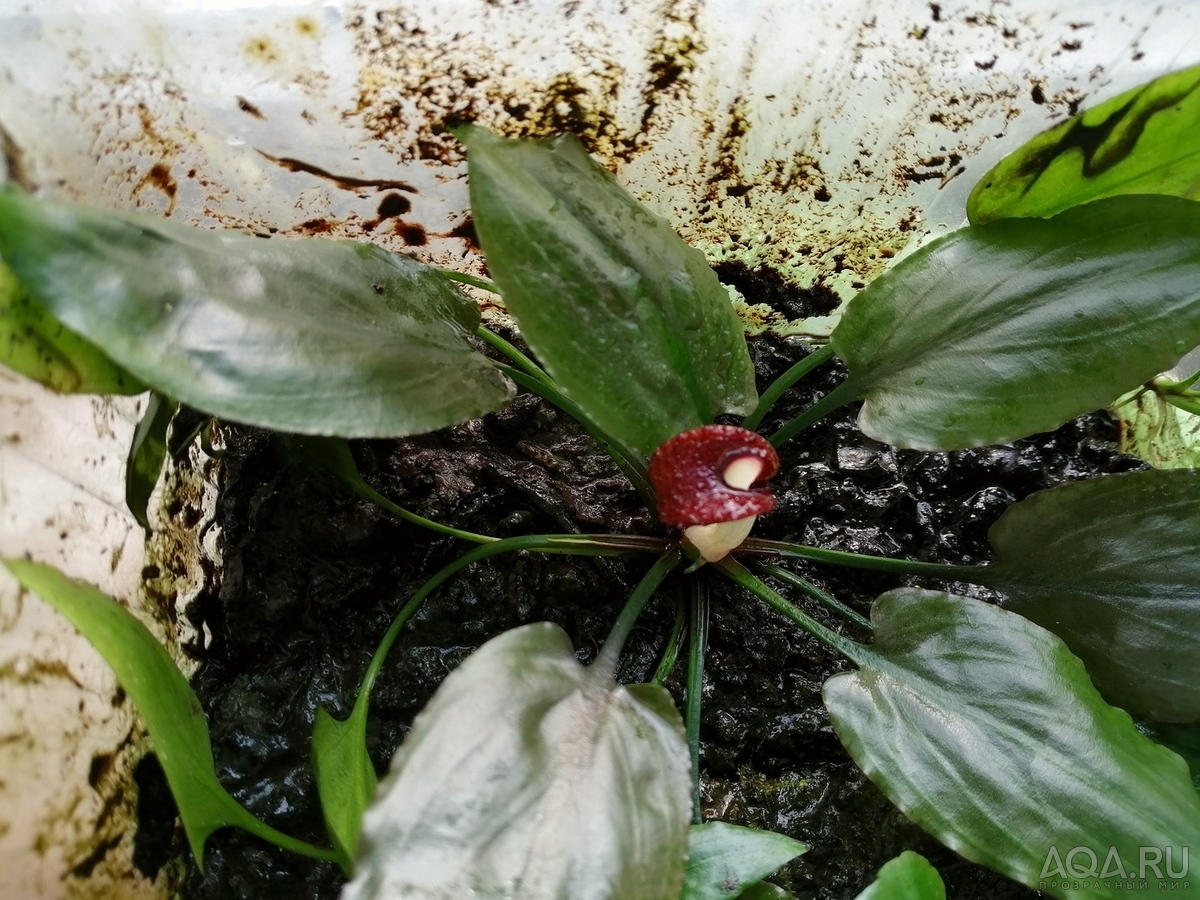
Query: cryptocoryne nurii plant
1003	730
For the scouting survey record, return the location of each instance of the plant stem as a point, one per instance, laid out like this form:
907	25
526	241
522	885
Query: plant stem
1184	402
944	571
785	381
364	490
261	829
522	361
844	393
697	643
469	279
569	544
631	465
826	636
816	593
610	653
666	665
1164	385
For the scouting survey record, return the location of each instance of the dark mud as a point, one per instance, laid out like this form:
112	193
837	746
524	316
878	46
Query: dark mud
313	577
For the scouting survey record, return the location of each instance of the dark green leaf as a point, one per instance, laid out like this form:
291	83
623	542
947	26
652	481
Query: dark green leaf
1139	142
628	319
1184	739
724	860
907	877
164	699
1111	566
147	455
1002	330
40	347
985	730
308	336
530	776
345	778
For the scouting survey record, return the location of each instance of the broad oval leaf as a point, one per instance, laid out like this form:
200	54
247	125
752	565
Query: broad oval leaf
724	860
1140	142
162	696
1002	330
306	336
985	730
529	776
907	877
626	317
1111	566
40	347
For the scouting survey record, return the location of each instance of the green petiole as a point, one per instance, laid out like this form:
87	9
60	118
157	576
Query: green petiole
610	653
944	571
740	575
631	465
844	393
473	281
816	593
697	644
567	544
522	361
777	389
666	665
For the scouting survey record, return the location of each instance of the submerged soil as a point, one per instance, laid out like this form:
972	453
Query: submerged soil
313	577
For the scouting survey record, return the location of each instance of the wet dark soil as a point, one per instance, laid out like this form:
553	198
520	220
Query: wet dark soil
313	577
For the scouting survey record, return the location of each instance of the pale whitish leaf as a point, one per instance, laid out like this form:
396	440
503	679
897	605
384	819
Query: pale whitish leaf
530	776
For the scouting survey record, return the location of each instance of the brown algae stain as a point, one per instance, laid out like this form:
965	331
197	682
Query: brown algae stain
261	49
160	178
307	26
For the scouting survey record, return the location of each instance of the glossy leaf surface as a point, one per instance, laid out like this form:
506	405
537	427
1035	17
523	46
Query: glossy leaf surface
162	696
724	860
1140	142
307	336
40	347
986	731
907	877
147	455
528	775
1003	330
627	318
344	775
1111	566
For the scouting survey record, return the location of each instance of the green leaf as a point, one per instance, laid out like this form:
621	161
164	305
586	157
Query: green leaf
628	319
999	331
345	778
530	776
724	859
40	347
307	336
147	455
985	730
907	877
1140	142
161	694
1110	565
1184	739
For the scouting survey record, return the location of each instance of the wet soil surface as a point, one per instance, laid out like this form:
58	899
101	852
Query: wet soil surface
313	577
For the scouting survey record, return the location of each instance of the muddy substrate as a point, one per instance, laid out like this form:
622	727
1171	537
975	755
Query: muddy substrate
313	577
